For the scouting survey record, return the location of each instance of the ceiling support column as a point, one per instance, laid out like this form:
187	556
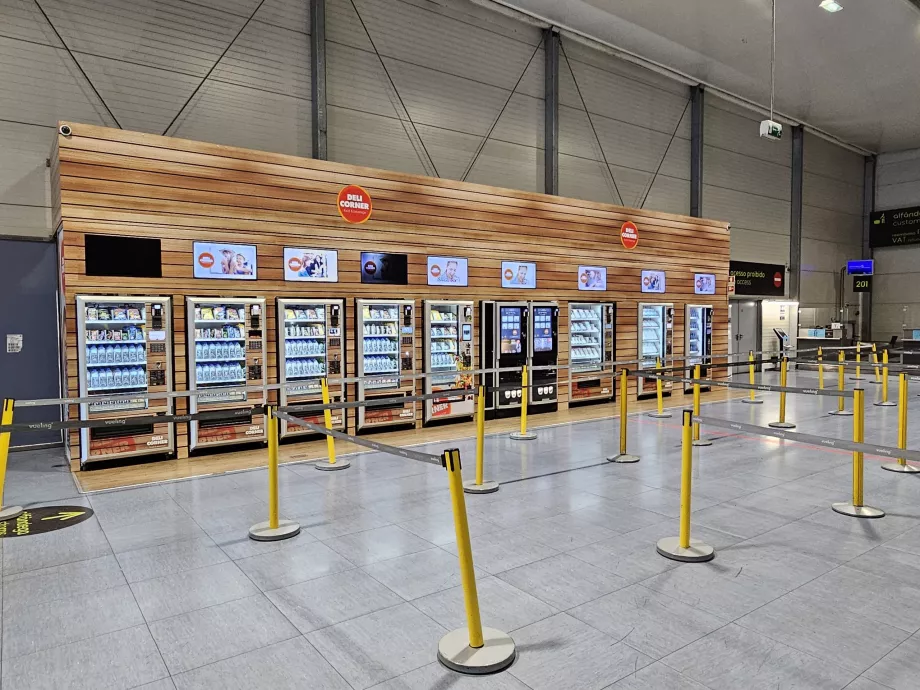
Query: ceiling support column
697	95
795	216
551	40
318	78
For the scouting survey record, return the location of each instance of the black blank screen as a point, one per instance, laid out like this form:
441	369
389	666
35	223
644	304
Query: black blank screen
134	257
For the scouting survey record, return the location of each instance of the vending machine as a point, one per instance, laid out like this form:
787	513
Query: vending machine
503	343
656	331
448	355
697	340
385	341
124	346
311	346
544	352
592	349
226	349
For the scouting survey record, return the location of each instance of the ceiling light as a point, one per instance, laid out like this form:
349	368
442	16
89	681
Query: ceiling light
831	5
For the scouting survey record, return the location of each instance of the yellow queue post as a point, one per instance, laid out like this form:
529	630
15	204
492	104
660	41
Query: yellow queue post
751	400
885	402
660	414
901	465
479	485
682	547
857	508
840	411
878	377
275	529
474	650
782	423
820	369
623	456
332	465
524	434
858	376
697	441
6	418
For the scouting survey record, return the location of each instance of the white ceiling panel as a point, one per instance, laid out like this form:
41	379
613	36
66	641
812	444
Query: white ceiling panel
22	19
762	247
356	80
825	192
25	221
521	122
669	195
288	14
822	223
736	132
747	211
372	140
508	165
23	174
450	152
743	173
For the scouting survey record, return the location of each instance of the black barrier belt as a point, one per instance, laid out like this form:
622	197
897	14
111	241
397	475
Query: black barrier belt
811	439
765	387
724	365
451	393
110	422
893	367
357	440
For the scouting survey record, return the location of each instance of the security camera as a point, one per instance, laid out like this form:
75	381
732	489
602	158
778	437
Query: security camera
65	130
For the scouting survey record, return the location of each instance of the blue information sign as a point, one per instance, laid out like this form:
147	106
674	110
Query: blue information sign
860	267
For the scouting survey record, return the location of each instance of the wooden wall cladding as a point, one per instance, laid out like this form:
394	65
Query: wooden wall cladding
126	183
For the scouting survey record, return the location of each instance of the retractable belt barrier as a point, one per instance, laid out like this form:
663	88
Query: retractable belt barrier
130	421
765	387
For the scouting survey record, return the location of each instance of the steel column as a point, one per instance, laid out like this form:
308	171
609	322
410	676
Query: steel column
551	41
868	207
318	77
795	216
696	150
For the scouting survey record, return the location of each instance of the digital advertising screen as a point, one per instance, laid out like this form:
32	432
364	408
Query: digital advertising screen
510	330
704	284
225	261
518	274
542	329
311	265
592	278
447	271
384	269
653	281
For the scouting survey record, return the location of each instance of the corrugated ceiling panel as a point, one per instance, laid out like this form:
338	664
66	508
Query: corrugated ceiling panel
442	100
898	168
575	135
25	221
270	58
344	27
355	80
451	152
895	260
897	195
823	157
142	98
580	178
828	193
826	257
821	224
509	165
521	122
821	289
677	160
445	44
669	195
630	146
23	174
762	247
532	83
22	19
237	116
479	16
243	8
748	211
166	34
289	14
366	139
725	128
746	174
41	85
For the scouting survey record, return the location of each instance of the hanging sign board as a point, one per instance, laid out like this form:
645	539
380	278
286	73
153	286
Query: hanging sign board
861	267
629	235
894	228
768	280
354	204
862	283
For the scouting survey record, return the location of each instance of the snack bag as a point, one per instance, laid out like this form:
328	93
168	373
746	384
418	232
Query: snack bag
134	314
207	314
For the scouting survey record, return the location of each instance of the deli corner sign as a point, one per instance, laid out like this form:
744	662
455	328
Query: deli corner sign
629	235
751	278
895	227
354	204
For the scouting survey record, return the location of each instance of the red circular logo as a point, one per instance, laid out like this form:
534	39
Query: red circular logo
435	270
629	235
370	268
778	279
509	274
206	259
354	204
294	263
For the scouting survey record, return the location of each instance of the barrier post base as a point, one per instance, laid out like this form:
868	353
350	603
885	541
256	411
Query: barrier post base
857	511
748	401
903	469
332	467
842	413
782	425
697	552
857	378
496	654
623	458
886	403
523	436
701	442
656	415
471	487
877	383
285	530
10	512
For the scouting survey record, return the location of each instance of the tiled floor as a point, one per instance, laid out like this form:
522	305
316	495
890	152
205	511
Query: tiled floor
163	590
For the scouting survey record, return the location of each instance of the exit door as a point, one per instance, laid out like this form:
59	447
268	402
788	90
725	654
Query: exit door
745	331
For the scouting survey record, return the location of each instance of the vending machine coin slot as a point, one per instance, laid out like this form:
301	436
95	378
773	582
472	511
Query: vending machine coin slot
407	315
157	348
156	311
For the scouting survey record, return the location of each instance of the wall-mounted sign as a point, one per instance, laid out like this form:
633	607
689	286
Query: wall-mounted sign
13	343
592	278
517	274
354	204
653	281
225	261
384	269
862	283
731	285
704	284
629	235
311	265
768	280
861	267
448	270
894	228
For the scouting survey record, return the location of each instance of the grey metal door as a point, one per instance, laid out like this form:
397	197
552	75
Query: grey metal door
28	307
744	333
